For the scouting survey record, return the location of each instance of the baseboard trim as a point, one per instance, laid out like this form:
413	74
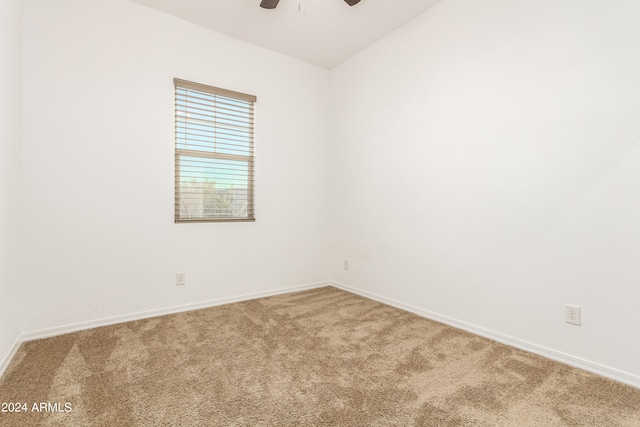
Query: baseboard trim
9	357
80	326
596	368
605	371
114	320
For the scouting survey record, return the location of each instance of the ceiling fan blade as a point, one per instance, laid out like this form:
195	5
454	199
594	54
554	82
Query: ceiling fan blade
352	2
270	4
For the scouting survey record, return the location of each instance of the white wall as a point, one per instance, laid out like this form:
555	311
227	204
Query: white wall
487	168
98	165
484	165
10	135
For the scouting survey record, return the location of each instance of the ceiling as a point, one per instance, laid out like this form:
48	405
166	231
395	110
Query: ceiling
321	32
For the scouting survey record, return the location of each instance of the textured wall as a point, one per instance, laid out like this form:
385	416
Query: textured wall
483	164
487	168
98	150
10	135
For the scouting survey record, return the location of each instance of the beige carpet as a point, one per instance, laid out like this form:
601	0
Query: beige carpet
322	357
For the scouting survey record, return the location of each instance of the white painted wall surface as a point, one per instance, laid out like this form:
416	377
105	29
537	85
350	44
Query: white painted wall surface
10	135
486	167
98	178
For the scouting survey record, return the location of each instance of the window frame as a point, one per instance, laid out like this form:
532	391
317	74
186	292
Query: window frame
180	84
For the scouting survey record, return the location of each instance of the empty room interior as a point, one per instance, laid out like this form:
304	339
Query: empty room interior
441	227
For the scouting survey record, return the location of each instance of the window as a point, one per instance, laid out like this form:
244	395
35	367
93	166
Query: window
214	154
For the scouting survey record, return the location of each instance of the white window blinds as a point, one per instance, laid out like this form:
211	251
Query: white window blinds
213	154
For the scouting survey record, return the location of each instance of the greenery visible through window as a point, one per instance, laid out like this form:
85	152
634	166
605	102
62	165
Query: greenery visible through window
214	159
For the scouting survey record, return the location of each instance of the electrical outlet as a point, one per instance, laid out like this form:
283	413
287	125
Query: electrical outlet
180	279
572	314
346	264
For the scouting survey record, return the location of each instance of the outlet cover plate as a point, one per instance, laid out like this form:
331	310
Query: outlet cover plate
180	279
572	314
